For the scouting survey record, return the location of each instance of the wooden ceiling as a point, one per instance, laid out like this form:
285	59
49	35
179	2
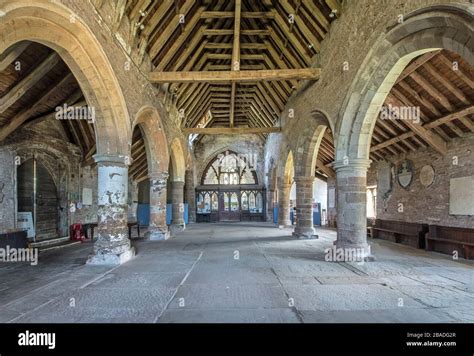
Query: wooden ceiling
223	35
441	84
33	82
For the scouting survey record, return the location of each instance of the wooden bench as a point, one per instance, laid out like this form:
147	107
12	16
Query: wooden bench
92	226
446	239
411	234
16	239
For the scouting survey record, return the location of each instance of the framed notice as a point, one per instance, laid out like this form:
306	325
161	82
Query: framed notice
25	222
86	196
461	196
331	198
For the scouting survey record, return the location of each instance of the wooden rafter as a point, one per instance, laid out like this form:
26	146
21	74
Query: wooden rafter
235	76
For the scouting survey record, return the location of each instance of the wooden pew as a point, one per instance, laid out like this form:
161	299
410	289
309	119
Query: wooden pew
446	239
411	234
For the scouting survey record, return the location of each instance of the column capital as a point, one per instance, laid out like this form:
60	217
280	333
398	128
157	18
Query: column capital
284	185
177	182
351	164
158	175
113	159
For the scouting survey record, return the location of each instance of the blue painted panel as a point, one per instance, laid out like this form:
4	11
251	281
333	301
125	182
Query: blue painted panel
317	215
143	214
275	215
186	213
169	214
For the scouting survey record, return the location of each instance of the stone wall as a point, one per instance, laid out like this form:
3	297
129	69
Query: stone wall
7	190
421	204
63	161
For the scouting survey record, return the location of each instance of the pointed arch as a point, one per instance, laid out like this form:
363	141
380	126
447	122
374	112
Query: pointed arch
437	27
49	23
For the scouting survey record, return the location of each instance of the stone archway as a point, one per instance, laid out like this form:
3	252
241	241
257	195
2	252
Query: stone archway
177	177
157	156
305	166
437	27
50	24
286	172
55	26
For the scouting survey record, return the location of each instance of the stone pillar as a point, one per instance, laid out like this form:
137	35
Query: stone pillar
132	209
351	182
177	197
158	230
270	199
304	208
284	204
112	245
190	195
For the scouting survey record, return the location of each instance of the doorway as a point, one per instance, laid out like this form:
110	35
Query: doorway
37	194
229	206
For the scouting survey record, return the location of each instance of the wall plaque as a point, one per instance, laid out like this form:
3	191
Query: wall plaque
427	175
405	174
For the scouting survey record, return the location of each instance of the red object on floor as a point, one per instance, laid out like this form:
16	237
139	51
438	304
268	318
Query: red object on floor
76	233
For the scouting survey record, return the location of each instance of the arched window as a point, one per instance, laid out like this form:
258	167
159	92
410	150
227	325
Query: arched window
215	202
259	203
245	201
252	205
230	168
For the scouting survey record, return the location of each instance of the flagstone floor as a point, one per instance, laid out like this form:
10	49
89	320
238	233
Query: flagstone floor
242	273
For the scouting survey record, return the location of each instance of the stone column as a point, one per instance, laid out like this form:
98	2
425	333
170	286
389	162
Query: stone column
112	245
270	196
190	195
132	209
158	230
284	204
351	183
304	208
177	197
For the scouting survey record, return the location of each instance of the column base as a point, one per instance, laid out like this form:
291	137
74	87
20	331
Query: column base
111	259
157	235
305	233
284	224
177	227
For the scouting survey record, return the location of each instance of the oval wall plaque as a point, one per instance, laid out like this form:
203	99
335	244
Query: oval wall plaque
427	175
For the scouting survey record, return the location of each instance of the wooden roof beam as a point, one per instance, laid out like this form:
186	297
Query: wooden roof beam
245	14
28	82
24	115
230	130
235	76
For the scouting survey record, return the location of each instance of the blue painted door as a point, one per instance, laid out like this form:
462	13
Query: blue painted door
143	214
169	214
317	214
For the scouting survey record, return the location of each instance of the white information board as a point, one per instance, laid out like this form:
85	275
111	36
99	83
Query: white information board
86	196
25	222
461	196
331	198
